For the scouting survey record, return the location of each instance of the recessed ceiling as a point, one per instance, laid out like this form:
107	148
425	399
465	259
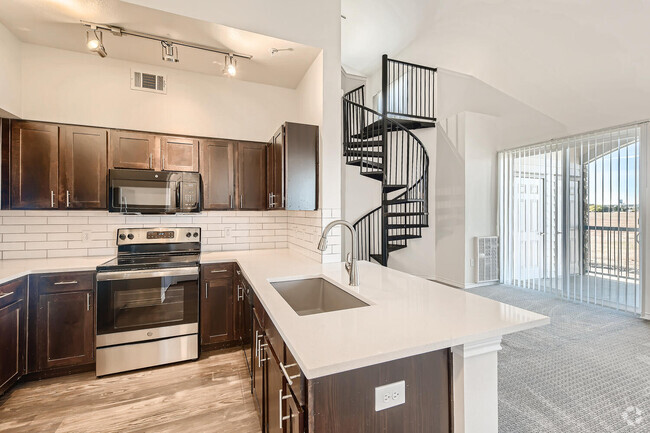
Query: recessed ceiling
56	24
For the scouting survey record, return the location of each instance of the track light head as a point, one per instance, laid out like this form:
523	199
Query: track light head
94	42
169	52
230	65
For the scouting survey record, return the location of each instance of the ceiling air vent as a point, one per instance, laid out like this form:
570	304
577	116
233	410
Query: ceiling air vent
148	82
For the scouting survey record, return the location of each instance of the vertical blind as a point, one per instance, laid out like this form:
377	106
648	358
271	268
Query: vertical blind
569	217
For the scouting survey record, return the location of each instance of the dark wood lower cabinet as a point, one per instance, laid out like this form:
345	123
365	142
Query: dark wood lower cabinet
274	394
12	344
61	327
217	304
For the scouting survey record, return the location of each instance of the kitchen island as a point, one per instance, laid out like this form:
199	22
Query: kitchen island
406	318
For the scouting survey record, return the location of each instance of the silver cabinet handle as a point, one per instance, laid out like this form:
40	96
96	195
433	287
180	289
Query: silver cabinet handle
163	161
231	203
280	405
65	283
257	345
206	290
6	294
218	271
241	201
51	198
238	272
240	293
151	160
286	375
87	301
282	397
67	198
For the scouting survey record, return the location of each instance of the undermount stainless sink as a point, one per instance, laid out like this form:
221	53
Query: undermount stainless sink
315	295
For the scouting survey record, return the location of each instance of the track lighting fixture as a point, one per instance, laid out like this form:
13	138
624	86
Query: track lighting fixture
169	46
230	65
169	52
94	42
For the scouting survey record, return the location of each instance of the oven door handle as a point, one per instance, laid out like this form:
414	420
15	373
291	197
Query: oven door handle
147	273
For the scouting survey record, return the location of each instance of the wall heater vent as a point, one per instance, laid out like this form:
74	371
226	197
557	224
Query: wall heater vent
487	259
148	82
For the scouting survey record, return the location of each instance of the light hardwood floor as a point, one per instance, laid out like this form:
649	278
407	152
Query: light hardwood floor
209	395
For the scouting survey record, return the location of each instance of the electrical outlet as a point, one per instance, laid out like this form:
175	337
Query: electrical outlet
228	232
390	395
85	236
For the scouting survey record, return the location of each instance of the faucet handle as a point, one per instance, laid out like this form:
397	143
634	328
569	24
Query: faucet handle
348	262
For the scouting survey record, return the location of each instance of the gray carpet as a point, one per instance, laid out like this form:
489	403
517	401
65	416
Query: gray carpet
589	371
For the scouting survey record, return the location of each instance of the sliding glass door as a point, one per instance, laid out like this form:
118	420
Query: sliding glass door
569	217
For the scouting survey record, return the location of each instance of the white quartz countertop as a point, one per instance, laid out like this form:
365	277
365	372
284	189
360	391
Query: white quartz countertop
407	315
16	268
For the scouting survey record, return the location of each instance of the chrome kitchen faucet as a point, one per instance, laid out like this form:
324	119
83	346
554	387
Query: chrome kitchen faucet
351	258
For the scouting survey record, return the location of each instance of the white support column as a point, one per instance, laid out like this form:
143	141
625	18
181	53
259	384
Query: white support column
476	402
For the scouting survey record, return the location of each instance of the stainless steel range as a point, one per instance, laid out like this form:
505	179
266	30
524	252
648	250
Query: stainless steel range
148	300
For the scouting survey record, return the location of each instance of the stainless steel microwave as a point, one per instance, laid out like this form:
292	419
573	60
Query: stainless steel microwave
153	192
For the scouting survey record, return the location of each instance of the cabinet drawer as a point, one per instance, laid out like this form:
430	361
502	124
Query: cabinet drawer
12	291
217	270
275	340
65	282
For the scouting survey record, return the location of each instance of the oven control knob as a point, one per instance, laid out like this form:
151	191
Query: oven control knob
196	234
130	236
189	235
122	236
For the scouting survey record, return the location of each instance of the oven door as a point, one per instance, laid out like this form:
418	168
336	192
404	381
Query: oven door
146	304
147	192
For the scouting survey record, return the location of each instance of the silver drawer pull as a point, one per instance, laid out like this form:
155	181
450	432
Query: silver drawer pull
219	271
65	283
87	301
238	272
295	376
4	295
286	375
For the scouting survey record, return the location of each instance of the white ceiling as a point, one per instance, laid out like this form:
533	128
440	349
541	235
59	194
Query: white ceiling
372	28
55	23
584	63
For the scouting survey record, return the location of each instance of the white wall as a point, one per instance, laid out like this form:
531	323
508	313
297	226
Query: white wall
85	89
10	72
482	139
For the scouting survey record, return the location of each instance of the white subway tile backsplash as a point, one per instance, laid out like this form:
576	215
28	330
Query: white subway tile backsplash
24	237
6	255
59	233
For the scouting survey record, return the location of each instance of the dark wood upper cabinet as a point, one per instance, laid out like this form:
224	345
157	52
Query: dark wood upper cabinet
34	165
179	154
251	176
217	174
12	332
292	167
275	175
137	150
83	167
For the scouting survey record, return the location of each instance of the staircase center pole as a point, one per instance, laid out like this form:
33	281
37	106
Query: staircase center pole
386	163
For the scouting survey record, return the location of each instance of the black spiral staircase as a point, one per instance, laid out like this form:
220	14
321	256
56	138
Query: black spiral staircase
384	148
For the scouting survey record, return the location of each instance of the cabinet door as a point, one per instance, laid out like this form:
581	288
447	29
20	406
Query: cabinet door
275	394
294	415
83	167
180	154
217	311
12	344
65	329
251	176
217	174
276	170
133	150
34	165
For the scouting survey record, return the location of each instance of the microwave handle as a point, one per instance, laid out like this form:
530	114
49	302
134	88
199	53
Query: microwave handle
179	205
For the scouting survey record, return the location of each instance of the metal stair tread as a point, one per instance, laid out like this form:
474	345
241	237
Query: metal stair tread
364	163
375	129
402	237
404	200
